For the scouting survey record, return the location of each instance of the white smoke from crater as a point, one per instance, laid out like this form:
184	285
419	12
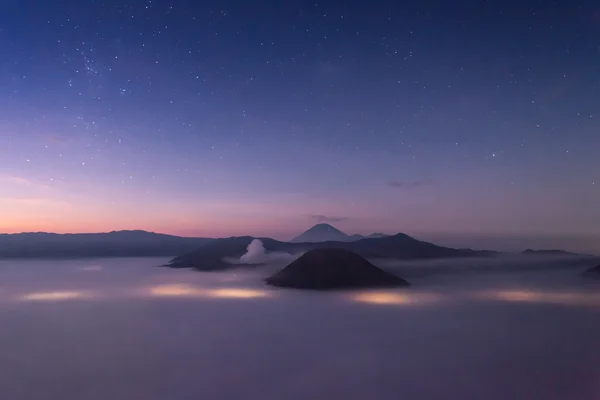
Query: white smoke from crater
255	253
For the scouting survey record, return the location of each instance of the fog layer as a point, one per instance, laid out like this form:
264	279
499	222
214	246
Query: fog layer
121	329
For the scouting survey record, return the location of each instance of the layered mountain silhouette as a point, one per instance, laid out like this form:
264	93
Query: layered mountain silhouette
321	269
111	244
326	232
214	255
138	243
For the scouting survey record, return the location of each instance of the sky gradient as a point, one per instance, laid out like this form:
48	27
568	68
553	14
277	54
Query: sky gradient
220	118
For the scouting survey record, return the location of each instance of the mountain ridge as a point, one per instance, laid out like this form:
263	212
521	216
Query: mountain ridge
125	243
211	256
141	243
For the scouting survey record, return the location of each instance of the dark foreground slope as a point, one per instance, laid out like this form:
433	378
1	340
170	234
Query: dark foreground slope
321	269
593	272
212	255
111	244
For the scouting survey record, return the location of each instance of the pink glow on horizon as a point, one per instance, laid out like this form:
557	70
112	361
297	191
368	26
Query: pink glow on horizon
65	207
218	219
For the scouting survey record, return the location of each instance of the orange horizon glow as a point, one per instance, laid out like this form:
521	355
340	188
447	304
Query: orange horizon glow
29	206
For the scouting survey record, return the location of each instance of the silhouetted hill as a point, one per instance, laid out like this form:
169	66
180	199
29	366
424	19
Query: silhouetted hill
371	236
377	235
593	272
111	244
355	237
401	246
211	256
333	269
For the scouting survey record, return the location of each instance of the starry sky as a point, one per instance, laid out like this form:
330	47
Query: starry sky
220	118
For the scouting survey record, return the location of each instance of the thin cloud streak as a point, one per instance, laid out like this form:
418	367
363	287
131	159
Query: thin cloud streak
327	219
15	180
408	184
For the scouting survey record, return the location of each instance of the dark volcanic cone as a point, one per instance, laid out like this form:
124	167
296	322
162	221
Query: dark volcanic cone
333	269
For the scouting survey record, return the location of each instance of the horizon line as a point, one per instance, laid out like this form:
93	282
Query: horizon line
444	233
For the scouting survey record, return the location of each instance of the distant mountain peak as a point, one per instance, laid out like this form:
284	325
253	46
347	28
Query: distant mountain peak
322	233
328	233
324	228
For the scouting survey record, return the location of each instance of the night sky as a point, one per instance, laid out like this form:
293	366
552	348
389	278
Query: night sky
219	118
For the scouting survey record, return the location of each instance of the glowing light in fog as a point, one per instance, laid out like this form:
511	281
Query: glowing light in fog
178	290
565	298
381	298
174	291
237	293
515	295
53	296
393	298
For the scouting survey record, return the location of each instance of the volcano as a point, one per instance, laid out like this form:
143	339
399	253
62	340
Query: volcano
331	268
